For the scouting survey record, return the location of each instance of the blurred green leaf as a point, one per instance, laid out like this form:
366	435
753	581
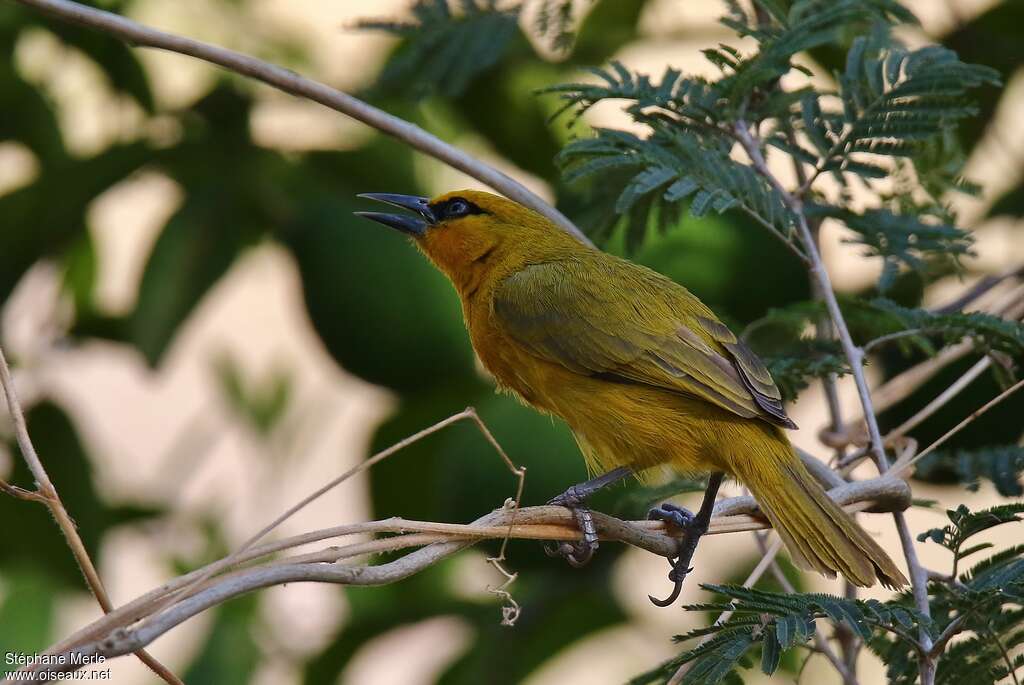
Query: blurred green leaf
26	614
80	272
196	247
38	543
115	58
261	401
607	28
473	476
409	483
991	38
443	49
559	609
49	213
382	310
230	653
27	116
375	611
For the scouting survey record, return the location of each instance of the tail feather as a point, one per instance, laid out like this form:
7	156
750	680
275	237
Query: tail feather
818	533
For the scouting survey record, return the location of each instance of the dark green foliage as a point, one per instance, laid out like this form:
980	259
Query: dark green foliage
669	167
777	622
894	99
981	606
901	239
895	102
965	524
445	49
989	333
983	603
794	359
805	361
1001	465
57	225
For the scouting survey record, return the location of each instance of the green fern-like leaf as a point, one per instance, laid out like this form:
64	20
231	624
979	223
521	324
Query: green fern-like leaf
671	166
965	524
446	45
989	333
900	239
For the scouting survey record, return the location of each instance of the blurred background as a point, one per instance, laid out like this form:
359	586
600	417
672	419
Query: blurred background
203	333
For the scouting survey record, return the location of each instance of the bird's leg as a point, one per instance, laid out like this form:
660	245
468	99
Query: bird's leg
574	499
693	527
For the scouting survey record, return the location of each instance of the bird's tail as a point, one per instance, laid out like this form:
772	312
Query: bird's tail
819	534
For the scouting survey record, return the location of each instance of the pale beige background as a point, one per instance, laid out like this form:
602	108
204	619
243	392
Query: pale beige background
142	424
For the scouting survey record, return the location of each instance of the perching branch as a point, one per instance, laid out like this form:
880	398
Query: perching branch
46	493
144	619
288	81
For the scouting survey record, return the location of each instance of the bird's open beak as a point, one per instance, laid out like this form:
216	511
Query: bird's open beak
415	226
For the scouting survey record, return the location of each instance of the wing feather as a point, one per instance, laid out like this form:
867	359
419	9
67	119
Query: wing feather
577	314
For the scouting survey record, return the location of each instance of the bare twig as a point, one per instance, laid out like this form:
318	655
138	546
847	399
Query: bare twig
940	400
903	465
980	288
855	358
288	81
468	413
510	612
21	493
47	494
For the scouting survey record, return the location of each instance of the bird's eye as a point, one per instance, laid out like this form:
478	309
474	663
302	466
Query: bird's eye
457	207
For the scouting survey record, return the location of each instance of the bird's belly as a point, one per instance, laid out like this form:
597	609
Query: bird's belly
630	424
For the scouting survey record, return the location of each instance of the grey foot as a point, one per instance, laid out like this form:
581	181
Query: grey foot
580	552
678	516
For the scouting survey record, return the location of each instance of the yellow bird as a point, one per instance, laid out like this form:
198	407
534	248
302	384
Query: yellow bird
640	369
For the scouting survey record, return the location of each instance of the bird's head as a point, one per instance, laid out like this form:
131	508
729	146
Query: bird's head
470	232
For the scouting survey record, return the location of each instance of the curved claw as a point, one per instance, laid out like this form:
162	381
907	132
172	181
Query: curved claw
580	556
671	599
677	576
575	554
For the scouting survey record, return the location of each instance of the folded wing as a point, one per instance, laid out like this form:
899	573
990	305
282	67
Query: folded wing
613	318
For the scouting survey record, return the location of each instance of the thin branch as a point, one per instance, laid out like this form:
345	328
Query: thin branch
140	621
903	465
849	643
1006	655
510	612
21	493
288	81
47	494
954	628
940	400
468	413
855	357
889	337
980	288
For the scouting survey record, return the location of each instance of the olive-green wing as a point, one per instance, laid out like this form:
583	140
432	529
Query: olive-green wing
604	316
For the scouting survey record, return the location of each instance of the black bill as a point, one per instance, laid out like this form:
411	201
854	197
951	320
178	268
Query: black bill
413	225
